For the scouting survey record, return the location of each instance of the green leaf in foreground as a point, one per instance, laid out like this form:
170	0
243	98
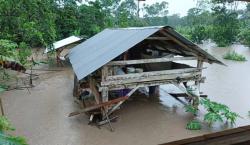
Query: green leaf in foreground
231	117
6	139
5	124
211	117
12	140
193	125
191	109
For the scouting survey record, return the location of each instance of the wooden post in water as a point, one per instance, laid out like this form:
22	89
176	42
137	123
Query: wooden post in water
197	83
76	87
1	106
105	91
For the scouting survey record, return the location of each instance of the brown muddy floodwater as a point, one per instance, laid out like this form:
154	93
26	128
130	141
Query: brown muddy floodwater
41	116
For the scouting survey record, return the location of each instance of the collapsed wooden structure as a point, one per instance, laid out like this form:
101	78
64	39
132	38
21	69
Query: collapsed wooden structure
120	61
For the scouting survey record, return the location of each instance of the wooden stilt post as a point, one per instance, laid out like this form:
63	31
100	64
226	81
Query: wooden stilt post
105	89
199	66
76	88
1	106
120	103
197	83
105	94
92	85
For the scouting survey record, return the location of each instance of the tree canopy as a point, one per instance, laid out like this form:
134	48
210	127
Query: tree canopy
41	22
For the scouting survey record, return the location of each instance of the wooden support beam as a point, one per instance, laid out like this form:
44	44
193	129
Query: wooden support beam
105	94
154	60
153	73
105	91
92	85
104	72
158	38
1	107
184	95
151	83
199	65
150	79
120	103
76	87
98	106
183	90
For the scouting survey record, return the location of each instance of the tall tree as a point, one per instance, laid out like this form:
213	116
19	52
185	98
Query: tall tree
225	26
156	14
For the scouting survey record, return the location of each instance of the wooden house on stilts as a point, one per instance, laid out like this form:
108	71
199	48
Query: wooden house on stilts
121	60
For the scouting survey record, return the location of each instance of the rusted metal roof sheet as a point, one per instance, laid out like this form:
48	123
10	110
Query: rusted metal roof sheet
110	43
63	42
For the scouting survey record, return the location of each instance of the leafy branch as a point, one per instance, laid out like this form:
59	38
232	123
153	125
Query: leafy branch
216	112
6	139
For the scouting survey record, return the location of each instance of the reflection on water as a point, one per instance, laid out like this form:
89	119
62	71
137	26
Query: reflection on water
225	84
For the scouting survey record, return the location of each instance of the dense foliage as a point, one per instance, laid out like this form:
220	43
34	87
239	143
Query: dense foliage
10	51
40	22
225	26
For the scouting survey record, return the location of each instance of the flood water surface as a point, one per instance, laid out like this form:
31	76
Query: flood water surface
41	116
230	84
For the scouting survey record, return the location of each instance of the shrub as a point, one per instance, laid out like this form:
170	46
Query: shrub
232	55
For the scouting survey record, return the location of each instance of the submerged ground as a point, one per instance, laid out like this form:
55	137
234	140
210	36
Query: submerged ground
41	116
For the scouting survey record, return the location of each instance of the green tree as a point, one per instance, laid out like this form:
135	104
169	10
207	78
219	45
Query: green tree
87	15
30	21
156	14
225	26
66	18
244	34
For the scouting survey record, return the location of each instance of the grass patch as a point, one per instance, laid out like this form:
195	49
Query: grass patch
232	55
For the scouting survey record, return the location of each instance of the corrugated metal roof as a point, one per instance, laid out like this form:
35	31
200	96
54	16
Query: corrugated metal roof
105	46
63	42
110	43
